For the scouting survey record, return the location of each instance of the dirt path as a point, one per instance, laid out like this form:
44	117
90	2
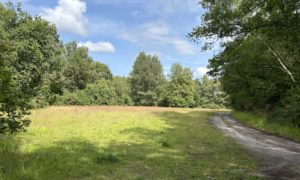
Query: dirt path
279	157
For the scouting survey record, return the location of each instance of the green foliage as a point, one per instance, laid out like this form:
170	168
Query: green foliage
259	65
52	85
73	98
103	92
77	67
249	78
100	71
209	93
122	89
27	47
262	122
146	79
80	69
73	76
288	112
180	91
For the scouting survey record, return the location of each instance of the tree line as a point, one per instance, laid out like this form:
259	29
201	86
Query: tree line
259	65
37	70
148	86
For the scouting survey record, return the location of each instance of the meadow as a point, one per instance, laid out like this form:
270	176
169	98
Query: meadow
74	142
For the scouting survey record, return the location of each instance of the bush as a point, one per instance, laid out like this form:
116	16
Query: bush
123	90
73	98
103	92
288	112
176	101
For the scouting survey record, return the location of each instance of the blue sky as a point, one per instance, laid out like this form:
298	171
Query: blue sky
115	31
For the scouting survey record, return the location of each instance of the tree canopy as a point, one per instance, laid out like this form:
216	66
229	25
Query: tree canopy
146	80
259	62
180	91
28	48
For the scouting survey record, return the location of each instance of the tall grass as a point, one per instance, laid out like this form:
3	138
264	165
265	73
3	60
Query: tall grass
122	143
260	121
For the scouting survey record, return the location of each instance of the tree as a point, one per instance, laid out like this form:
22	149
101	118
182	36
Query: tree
251	80
80	69
77	66
53	80
273	23
123	90
180	91
100	71
23	60
209	93
146	79
259	62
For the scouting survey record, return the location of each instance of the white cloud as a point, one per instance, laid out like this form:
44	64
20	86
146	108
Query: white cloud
105	47
157	34
159	7
120	1
100	25
201	71
16	1
183	46
68	16
152	32
169	7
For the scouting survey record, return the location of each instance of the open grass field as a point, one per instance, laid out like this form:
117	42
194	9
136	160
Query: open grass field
122	143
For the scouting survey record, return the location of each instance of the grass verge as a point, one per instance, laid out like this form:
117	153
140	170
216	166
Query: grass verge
122	143
262	123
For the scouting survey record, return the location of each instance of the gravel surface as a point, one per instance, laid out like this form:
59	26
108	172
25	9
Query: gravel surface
279	158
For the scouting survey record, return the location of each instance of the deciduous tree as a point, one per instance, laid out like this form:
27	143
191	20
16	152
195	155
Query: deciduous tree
146	80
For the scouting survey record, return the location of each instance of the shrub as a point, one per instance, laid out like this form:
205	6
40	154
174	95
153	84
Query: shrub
288	112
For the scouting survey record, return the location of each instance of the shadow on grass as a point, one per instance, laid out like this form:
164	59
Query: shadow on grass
188	149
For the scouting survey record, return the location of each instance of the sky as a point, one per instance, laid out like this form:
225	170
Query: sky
115	31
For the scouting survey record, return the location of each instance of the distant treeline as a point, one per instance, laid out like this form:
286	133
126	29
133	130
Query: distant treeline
37	70
146	86
259	66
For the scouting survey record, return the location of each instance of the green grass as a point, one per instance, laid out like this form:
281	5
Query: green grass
122	143
261	122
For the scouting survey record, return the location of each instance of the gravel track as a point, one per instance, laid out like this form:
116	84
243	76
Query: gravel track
278	157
